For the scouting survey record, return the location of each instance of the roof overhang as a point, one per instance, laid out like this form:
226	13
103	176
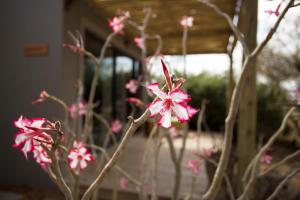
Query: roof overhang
210	33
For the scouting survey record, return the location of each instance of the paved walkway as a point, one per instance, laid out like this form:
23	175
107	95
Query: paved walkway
132	159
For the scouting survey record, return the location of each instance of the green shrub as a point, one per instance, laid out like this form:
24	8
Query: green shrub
213	88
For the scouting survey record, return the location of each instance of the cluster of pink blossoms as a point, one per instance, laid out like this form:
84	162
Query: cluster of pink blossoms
139	42
266	159
77	109
116	126
276	12
31	136
79	156
171	103
117	23
194	165
123	183
132	86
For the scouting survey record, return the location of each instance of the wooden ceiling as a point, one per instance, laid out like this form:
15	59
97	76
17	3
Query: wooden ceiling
210	33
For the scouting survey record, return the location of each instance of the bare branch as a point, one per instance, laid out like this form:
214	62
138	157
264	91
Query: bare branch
89	114
55	173
117	167
286	159
260	47
256	159
131	130
234	104
295	5
234	29
227	180
283	182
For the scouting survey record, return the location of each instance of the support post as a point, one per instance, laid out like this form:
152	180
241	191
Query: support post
246	146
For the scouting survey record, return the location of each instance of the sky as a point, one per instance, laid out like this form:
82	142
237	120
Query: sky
219	63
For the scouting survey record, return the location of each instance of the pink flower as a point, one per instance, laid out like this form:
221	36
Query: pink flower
194	166
78	46
139	42
79	157
43	96
116	126
123	183
170	103
187	21
132	86
117	24
31	134
207	152
191	111
40	155
79	109
137	102
266	159
276	12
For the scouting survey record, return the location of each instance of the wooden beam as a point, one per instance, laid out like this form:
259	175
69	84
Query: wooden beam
246	146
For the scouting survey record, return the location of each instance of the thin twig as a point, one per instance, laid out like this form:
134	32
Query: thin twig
233	109
283	182
145	76
59	179
236	32
286	159
295	5
89	114
256	159
117	167
227	180
155	156
260	47
135	124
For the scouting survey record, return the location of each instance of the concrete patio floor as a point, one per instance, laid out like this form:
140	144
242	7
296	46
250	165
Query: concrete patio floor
131	161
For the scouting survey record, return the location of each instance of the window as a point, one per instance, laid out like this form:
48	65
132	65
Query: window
116	69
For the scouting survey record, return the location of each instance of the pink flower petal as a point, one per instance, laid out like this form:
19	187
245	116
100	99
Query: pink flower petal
167	75
74	163
266	159
191	111
83	164
139	42
155	107
165	119
156	90
116	126
179	96
194	166
132	86
123	183
180	112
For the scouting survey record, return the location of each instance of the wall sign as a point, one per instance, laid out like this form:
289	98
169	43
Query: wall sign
40	49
